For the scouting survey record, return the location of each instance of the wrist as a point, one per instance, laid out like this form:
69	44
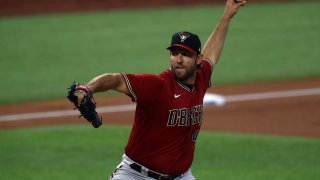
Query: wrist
225	20
226	17
84	88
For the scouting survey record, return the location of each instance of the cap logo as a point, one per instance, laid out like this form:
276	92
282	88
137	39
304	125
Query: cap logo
184	36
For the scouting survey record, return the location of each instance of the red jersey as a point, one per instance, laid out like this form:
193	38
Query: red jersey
167	119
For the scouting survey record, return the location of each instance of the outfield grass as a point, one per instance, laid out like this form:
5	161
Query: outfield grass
40	56
80	152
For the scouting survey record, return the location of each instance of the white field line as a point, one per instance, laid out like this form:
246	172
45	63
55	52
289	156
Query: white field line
273	95
131	107
64	113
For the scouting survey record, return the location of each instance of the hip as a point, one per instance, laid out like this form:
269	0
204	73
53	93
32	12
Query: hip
130	170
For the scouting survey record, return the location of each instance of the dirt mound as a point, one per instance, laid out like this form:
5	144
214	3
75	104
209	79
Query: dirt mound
296	114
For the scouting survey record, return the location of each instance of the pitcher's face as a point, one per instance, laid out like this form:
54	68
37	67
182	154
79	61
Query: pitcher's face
183	65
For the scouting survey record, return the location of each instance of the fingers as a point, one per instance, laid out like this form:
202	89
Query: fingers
232	8
80	95
240	2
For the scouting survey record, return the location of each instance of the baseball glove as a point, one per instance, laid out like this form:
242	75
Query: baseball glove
82	98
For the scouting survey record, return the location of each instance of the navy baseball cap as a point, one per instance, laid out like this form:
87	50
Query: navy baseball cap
187	41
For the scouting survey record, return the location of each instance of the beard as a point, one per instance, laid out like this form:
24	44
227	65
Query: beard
184	76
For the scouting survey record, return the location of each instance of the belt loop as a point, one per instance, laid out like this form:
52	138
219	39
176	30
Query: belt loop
144	171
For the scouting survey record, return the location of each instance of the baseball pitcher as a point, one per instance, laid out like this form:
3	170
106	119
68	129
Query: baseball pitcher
169	107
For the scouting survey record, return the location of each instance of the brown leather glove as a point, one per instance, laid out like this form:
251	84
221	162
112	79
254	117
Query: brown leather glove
82	98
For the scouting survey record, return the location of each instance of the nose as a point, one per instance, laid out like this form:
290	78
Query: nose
180	58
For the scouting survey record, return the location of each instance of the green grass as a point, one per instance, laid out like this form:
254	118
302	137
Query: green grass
41	55
245	157
81	152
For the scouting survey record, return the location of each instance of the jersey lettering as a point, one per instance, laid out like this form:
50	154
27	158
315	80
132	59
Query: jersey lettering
185	117
172	121
200	113
195	135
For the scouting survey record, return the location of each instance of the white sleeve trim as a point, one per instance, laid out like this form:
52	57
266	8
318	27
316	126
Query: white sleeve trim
209	63
129	86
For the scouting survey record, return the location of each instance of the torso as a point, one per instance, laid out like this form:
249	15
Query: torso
167	120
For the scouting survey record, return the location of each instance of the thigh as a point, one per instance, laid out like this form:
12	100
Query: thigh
124	172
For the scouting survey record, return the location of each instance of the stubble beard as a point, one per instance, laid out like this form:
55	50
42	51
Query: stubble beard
182	77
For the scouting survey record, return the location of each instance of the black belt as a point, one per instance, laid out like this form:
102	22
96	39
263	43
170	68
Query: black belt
152	174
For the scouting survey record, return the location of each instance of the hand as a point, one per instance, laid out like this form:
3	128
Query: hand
80	94
80	91
232	7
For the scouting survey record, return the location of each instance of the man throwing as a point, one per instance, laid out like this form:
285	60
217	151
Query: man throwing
169	105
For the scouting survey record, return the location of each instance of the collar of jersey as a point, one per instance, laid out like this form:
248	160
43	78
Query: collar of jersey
185	87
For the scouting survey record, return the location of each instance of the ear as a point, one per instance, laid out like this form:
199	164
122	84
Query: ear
199	59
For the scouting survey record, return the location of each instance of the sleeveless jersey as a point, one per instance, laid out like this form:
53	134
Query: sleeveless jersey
167	119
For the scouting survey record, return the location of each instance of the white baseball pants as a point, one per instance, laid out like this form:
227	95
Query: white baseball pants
125	172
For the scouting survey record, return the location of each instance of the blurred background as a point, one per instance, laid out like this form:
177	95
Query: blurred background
268	73
20	7
46	44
